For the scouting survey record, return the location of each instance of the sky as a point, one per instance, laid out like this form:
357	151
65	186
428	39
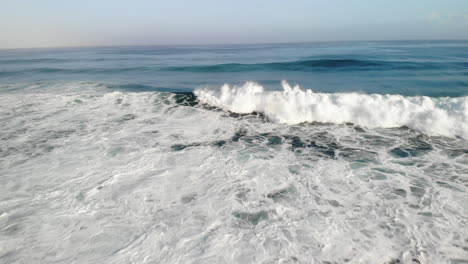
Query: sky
58	23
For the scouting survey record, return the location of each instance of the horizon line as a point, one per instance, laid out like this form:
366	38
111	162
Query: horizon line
221	44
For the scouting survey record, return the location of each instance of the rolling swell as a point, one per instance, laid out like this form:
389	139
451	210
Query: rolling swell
71	71
320	65
30	61
293	66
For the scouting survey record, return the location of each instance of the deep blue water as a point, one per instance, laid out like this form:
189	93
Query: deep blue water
432	68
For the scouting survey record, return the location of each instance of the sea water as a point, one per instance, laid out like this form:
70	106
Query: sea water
350	152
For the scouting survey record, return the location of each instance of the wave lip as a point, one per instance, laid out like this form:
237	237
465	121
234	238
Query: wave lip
433	116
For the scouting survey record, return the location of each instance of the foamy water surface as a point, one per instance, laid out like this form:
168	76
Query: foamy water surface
120	171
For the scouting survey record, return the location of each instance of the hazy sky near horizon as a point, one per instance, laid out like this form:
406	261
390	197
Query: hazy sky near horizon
52	23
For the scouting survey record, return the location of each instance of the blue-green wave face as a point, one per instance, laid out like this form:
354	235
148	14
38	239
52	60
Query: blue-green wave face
295	153
324	65
408	68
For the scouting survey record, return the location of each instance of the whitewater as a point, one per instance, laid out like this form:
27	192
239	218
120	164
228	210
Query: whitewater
204	155
433	116
157	177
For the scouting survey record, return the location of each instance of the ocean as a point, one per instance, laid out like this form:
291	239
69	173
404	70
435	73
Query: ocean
333	152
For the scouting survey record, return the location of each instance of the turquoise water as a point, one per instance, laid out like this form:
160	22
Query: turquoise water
351	152
437	68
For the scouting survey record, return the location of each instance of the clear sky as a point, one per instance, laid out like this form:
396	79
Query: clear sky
51	23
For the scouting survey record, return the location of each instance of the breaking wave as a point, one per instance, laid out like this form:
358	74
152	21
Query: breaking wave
442	116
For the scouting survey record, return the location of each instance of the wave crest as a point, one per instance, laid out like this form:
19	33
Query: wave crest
321	65
433	116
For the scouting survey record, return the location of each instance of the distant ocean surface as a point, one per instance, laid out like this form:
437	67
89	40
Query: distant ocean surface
342	152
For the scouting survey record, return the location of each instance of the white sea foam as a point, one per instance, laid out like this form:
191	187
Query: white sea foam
95	178
434	116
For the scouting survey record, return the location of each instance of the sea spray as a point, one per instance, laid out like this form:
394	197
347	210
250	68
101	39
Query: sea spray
434	116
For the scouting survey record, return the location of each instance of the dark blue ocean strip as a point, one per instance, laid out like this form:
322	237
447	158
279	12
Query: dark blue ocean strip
323	65
299	66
